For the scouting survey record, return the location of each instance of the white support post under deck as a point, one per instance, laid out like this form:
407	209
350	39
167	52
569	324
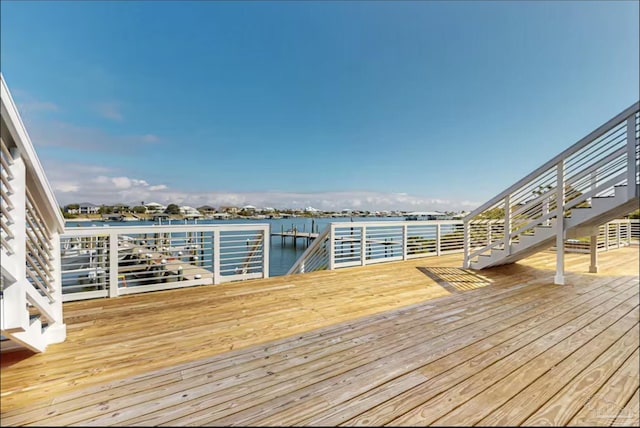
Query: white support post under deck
593	267
507	225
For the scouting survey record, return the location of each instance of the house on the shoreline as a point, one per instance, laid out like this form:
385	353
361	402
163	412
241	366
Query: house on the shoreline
154	208
229	209
206	209
82	208
189	212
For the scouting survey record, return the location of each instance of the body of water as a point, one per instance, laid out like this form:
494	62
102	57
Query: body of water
282	257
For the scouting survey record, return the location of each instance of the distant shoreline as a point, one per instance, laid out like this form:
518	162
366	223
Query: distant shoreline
180	217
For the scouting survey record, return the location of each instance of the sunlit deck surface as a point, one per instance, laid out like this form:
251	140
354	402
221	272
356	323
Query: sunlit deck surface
405	343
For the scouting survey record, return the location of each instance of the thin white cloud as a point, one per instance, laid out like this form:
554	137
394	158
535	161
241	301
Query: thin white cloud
122	182
28	105
37	106
66	135
66	187
109	110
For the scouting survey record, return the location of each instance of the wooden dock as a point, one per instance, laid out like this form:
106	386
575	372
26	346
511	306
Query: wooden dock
159	267
294	234
420	342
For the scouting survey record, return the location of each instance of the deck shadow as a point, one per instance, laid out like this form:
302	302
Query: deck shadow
455	280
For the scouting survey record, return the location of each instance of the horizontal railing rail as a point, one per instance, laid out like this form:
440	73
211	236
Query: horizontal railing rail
118	260
364	243
612	235
635	230
342	245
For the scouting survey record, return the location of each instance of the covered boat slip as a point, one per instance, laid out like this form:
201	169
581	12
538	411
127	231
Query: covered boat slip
419	342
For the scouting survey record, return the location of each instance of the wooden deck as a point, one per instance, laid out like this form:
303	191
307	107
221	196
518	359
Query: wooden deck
406	343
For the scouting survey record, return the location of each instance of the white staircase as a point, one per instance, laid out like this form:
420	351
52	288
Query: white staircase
589	184
30	227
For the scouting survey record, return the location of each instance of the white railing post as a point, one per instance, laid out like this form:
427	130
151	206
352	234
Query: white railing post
465	244
545	210
56	274
266	239
57	332
332	259
606	236
618	235
216	257
405	237
15	316
559	278
363	245
631	156
113	265
507	225
438	239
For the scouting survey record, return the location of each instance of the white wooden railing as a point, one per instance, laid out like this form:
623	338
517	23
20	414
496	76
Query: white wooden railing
30	227
635	230
363	243
592	167
117	260
341	245
612	235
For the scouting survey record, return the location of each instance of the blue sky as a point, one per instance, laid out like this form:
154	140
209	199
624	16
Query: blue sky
372	105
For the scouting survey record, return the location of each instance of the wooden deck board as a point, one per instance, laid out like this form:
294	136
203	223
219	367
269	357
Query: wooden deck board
577	393
357	346
609	401
446	372
441	405
425	353
317	363
629	416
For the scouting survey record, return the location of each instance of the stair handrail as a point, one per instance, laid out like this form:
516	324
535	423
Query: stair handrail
598	132
255	249
311	249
